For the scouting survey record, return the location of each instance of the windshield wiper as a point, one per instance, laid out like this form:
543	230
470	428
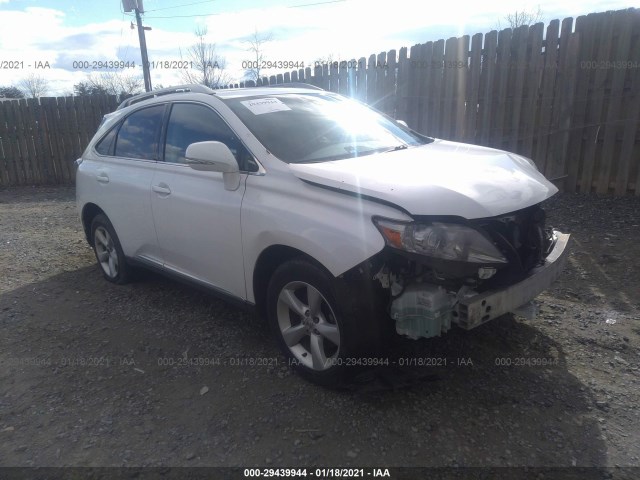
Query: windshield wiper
354	154
395	149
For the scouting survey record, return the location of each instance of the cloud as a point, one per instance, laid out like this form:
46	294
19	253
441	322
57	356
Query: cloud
64	47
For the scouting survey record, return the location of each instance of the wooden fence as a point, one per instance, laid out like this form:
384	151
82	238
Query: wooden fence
41	138
569	98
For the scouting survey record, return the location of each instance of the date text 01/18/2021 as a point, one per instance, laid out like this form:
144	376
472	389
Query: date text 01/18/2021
316	472
399	362
292	362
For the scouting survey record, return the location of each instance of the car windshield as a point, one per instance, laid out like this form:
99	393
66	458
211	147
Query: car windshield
319	127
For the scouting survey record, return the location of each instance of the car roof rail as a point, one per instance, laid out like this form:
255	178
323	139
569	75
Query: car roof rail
293	85
192	88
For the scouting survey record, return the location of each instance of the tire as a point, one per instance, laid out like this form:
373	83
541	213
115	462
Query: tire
108	251
318	326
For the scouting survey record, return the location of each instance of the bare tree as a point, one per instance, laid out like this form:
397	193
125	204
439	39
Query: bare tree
207	67
115	83
255	45
35	86
524	17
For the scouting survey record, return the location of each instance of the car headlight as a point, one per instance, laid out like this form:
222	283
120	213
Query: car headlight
447	241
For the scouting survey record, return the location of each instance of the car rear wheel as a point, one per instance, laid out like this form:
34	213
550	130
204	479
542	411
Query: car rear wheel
316	331
108	251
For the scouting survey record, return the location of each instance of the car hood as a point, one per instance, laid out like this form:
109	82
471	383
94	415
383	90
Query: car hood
440	178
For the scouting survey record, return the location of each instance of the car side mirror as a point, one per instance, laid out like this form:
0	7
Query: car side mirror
403	123
214	157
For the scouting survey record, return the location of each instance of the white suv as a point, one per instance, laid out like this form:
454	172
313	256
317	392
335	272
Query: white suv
338	224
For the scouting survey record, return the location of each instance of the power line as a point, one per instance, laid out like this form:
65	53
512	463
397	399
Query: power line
184	16
121	31
126	52
236	11
178	6
318	3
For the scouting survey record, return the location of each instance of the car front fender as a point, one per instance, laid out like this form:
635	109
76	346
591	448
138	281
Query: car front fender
334	229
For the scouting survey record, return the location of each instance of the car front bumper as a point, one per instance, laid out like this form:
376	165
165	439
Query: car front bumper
478	309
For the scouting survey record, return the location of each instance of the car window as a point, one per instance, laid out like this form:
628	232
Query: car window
139	134
190	123
105	146
318	127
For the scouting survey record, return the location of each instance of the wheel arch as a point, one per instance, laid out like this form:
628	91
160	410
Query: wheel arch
267	263
89	212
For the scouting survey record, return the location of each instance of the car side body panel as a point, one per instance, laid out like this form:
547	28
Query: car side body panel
334	229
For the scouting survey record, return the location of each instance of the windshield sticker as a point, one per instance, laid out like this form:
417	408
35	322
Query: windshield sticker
265	105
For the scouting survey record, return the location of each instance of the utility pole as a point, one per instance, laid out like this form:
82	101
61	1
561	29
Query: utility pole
137	6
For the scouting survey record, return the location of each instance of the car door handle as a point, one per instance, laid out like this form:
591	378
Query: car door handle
102	177
162	189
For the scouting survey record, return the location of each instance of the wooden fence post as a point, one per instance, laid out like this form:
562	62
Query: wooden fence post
595	117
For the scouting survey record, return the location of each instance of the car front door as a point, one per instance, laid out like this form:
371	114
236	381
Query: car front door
197	220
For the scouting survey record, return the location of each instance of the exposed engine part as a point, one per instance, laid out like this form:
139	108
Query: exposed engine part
383	277
523	238
485	273
465	292
396	287
422	310
390	280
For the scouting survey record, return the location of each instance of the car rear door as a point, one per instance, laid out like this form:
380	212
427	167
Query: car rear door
197	220
122	170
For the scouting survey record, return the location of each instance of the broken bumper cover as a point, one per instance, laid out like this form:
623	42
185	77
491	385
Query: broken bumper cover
478	309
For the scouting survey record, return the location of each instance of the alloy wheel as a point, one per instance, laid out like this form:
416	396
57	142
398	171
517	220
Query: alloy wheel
106	252
308	325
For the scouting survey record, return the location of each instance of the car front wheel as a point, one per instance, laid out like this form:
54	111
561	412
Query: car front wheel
318	335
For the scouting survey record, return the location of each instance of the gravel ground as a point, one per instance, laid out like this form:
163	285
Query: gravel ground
91	374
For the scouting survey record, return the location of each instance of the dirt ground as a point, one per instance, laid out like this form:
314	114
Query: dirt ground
92	374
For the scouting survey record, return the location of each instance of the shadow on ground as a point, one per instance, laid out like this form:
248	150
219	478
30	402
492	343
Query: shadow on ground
156	374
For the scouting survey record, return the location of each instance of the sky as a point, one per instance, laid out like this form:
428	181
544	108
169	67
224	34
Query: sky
55	38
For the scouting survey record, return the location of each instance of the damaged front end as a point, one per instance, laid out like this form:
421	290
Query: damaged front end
439	271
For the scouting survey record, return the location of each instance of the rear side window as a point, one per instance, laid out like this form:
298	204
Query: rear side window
190	123
139	134
105	146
